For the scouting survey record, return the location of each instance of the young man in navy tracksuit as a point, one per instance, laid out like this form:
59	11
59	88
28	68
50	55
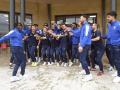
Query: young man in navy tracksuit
63	45
27	31
45	42
84	47
109	55
55	42
39	47
16	41
97	49
75	36
32	44
114	36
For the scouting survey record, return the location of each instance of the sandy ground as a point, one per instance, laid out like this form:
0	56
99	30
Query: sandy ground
53	78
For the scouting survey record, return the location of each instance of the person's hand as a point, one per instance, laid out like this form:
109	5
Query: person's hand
38	47
25	37
80	49
71	34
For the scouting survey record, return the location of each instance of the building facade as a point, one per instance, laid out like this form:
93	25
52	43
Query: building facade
42	11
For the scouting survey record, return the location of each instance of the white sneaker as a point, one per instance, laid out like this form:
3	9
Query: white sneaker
49	63
89	67
52	63
97	67
29	60
58	64
44	63
77	60
14	79
88	78
62	64
116	79
36	58
80	65
65	64
39	60
110	68
115	74
70	64
82	72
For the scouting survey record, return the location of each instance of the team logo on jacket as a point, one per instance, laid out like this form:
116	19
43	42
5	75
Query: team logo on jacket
114	27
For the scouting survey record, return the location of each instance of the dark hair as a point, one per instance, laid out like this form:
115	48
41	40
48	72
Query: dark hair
98	26
46	24
18	24
68	25
33	25
85	16
75	24
112	13
36	25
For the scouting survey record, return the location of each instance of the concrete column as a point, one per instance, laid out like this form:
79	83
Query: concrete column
103	15
12	14
113	5
49	14
22	11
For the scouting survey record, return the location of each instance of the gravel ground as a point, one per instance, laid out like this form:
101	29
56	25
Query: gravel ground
53	78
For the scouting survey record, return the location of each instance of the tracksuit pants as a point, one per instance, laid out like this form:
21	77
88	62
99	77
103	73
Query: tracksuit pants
116	57
74	52
46	53
31	50
83	58
20	59
63	51
109	55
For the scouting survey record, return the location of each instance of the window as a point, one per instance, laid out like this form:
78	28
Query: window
4	23
69	19
28	19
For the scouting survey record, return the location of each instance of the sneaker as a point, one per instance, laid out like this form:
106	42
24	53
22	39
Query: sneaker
110	68
35	64
116	79
115	74
52	63
58	64
88	78
11	66
49	63
82	72
29	60
70	64
36	58
32	64
80	65
89	67
14	79
39	60
65	64
62	64
44	63
97	67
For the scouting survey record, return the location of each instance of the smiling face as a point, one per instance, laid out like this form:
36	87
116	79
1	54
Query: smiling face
20	26
33	28
64	27
82	19
110	18
94	26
